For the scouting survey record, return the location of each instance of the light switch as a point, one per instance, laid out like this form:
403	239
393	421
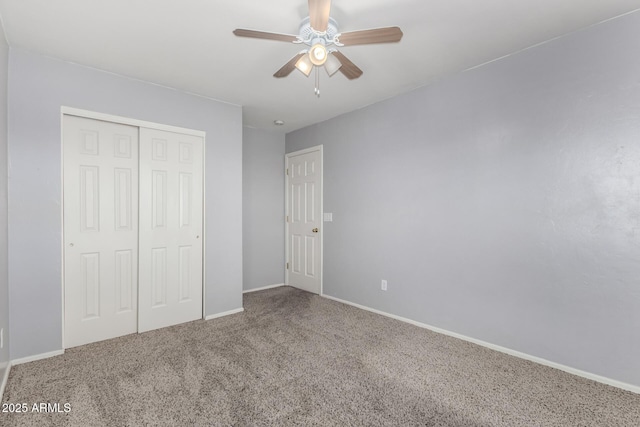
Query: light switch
328	217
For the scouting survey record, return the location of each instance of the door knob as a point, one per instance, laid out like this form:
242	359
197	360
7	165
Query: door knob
315	230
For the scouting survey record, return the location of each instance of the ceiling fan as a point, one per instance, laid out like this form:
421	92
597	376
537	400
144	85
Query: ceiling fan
320	33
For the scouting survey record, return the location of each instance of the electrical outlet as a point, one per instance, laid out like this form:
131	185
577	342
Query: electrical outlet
383	285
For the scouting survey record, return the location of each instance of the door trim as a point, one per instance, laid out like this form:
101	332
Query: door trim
69	111
88	114
319	148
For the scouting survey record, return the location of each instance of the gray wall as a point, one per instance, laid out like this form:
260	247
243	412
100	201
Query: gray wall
502	203
38	86
4	284
263	208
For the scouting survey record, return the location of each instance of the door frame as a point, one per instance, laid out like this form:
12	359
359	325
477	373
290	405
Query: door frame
87	114
319	148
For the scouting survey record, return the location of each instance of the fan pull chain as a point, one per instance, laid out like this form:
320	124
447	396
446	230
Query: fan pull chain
317	88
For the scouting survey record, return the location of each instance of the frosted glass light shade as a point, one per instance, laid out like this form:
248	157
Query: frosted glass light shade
332	65
304	65
318	54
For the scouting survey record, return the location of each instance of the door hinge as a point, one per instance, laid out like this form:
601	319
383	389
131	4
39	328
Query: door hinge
287	218
287	171
287	266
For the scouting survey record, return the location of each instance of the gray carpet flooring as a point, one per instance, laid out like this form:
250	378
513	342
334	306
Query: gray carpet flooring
293	358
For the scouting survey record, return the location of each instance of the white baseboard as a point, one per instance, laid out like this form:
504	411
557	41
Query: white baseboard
525	356
264	288
35	357
5	378
226	313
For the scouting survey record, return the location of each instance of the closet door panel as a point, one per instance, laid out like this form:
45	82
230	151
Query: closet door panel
171	225
100	178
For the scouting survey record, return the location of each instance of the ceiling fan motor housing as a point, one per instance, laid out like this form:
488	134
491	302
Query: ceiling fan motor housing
310	36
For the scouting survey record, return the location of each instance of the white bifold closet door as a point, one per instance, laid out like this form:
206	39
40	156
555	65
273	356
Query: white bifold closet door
133	223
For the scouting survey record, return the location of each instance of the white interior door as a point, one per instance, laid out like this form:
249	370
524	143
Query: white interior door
170	248
304	212
100	229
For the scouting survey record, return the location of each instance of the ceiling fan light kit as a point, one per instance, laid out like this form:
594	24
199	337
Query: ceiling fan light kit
320	32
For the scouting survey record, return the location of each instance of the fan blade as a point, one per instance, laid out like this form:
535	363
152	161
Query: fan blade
319	14
377	35
349	69
289	66
264	35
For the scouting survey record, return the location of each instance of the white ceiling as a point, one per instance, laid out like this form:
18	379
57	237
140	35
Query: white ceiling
189	45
